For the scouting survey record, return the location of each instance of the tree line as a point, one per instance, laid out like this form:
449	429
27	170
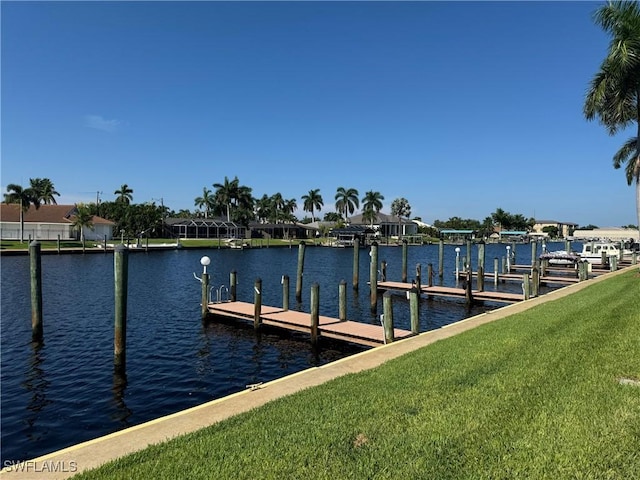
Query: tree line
236	203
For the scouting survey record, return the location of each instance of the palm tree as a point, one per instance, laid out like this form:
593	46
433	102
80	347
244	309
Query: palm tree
24	197
206	201
225	194
614	93
277	204
124	195
371	205
312	200
502	219
82	219
346	201
264	208
44	190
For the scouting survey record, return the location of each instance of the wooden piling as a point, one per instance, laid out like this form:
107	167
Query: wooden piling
468	257
121	274
480	279
383	271
535	280
430	275
496	272
414	309
526	286
441	258
233	285
373	276
300	271
58	244
356	263
257	303
468	287
418	276
204	303
35	269
285	292
405	253
481	249
387	305
342	301
534	248
315	312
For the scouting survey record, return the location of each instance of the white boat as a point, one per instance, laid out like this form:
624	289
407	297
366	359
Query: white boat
237	243
593	252
561	257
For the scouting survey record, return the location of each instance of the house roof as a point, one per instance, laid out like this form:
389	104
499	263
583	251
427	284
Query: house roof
10	212
554	222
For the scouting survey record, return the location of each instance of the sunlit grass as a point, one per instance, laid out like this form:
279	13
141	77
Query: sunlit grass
535	395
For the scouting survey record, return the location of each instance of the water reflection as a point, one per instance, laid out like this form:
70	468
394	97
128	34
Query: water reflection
37	385
122	413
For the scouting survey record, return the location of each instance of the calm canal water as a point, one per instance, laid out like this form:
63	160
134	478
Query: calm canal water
65	392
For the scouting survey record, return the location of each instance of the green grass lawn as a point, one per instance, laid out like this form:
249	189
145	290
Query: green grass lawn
534	395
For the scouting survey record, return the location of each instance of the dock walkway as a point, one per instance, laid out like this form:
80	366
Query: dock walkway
348	330
454	292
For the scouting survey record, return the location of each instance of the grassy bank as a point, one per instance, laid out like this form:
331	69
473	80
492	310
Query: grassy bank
535	395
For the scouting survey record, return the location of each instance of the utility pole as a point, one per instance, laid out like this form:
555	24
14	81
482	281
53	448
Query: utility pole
98	193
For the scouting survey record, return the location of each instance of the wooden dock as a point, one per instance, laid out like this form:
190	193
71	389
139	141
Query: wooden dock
517	277
504	297
349	331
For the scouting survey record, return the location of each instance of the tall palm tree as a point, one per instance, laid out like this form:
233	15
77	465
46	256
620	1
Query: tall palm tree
264	208
277	203
347	201
312	200
614	93
225	194
124	194
44	190
82	219
206	201
502	219
371	205
24	197
289	207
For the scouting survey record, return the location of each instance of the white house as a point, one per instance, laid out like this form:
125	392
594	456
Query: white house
610	233
49	221
388	225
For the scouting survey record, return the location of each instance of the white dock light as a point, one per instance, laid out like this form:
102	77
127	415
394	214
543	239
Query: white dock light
204	261
457	249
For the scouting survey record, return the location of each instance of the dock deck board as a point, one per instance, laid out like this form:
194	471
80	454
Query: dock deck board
454	292
351	331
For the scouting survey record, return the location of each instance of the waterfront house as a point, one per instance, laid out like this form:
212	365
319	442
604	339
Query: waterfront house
387	225
48	222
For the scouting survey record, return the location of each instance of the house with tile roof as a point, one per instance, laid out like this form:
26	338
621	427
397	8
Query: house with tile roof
49	221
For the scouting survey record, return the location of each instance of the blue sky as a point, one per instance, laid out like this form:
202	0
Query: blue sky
460	107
